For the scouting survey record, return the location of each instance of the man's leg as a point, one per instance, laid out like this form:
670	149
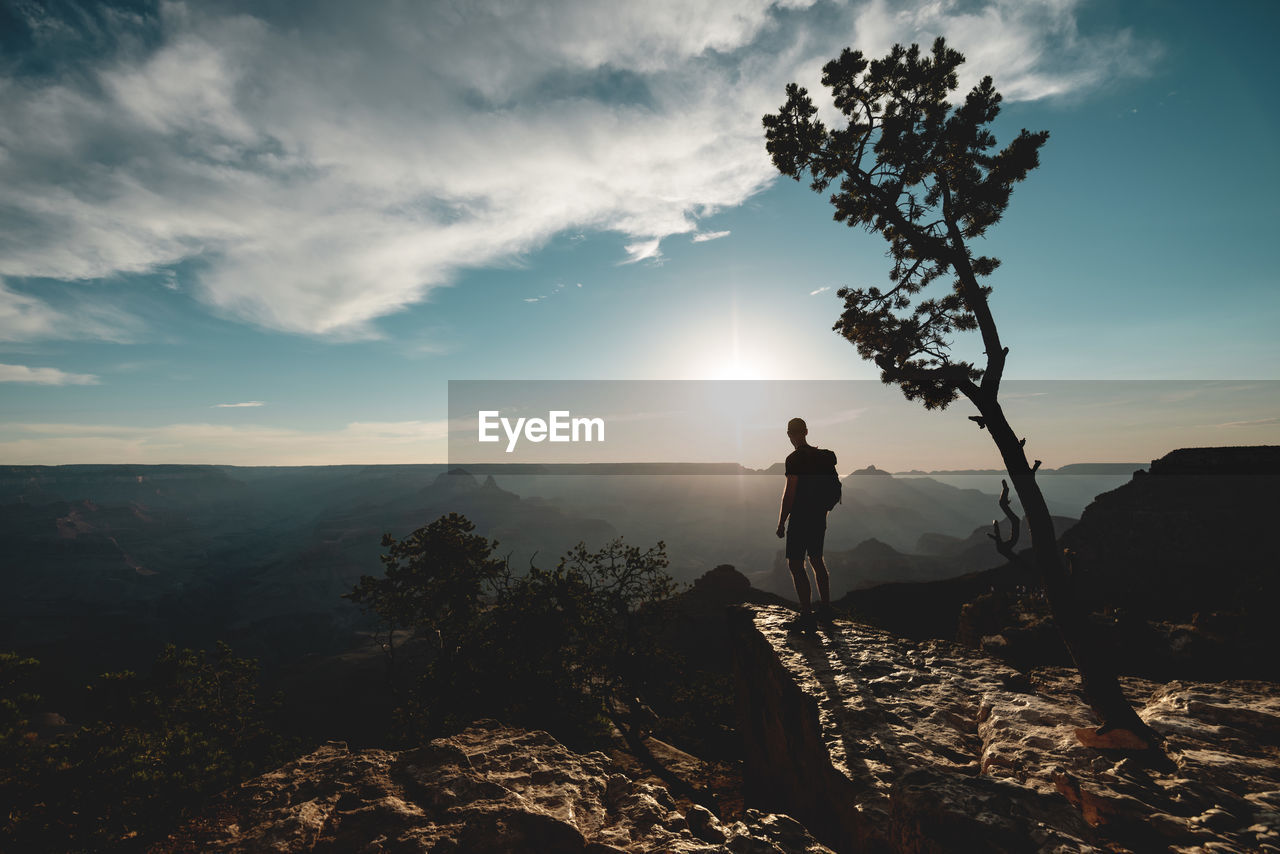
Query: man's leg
801	578
821	576
799	541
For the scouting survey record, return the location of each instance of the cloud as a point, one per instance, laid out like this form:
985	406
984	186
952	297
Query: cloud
1031	50
820	290
327	167
27	318
247	403
43	376
643	250
555	290
371	442
1256	422
704	236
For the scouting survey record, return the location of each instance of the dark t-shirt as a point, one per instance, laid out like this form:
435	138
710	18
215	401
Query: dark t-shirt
809	462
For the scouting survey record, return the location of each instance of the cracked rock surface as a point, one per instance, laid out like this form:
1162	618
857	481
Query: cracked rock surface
488	789
855	740
878	743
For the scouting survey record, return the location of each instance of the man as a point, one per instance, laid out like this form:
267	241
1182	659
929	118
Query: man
803	503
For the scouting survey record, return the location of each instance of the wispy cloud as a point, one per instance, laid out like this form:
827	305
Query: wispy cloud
560	286
821	290
1257	422
24	317
43	376
1031	50
245	404
643	250
704	236
305	162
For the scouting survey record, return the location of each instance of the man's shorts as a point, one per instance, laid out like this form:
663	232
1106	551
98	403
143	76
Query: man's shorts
805	534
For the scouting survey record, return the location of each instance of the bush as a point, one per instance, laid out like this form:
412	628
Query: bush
549	648
151	751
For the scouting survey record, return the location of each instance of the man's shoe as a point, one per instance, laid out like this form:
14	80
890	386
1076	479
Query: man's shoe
805	622
825	614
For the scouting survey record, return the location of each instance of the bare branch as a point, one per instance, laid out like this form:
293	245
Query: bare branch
1006	547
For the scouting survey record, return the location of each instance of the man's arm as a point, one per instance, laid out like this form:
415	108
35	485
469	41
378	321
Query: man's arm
788	499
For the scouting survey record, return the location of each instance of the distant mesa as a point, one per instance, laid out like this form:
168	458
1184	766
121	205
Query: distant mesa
461	477
1120	469
873	548
1093	469
455	479
872	470
649	468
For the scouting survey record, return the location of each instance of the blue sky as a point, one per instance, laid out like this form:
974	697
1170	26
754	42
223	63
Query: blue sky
329	212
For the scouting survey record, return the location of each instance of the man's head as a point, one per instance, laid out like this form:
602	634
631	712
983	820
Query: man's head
796	431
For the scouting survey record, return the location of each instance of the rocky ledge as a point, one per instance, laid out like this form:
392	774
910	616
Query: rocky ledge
881	744
488	789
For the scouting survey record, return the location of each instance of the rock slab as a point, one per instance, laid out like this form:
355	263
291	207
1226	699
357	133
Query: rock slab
876	743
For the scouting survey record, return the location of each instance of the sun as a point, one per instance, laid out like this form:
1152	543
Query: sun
734	346
737	366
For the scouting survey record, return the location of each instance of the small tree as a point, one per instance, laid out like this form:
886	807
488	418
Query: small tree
629	586
435	582
544	648
925	176
565	644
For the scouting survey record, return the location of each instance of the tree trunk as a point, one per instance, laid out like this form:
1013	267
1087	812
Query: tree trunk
1088	650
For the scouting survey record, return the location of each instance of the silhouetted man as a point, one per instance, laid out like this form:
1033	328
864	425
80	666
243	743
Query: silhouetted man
803	503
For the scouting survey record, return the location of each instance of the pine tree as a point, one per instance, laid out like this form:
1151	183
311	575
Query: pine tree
927	177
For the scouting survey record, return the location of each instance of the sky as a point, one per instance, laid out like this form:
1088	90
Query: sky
272	234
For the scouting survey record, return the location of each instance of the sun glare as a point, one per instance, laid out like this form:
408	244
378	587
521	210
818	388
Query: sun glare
731	347
737	367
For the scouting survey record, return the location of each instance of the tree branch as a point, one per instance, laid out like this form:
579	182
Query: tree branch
956	375
1006	547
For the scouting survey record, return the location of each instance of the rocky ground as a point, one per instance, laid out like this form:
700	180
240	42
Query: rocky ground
877	743
488	789
866	741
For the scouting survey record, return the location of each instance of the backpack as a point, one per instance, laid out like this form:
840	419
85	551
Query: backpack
829	489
